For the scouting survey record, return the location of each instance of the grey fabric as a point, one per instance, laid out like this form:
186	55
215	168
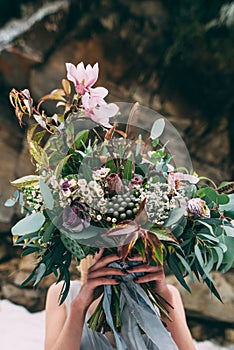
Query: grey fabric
136	309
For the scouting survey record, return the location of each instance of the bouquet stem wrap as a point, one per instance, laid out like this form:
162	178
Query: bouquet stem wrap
137	314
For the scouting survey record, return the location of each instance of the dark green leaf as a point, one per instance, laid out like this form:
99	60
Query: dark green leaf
41	273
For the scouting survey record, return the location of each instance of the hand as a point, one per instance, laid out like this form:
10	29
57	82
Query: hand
99	275
153	274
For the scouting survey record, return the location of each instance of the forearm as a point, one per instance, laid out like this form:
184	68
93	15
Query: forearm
71	334
178	326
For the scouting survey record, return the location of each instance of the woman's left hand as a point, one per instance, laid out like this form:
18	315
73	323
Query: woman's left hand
153	274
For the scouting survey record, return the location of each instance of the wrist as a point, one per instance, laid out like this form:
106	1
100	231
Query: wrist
79	305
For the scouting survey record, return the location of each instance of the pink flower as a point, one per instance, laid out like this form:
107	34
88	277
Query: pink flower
101	114
94	98
176	180
83	78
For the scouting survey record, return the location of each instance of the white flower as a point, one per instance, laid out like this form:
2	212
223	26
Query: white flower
82	182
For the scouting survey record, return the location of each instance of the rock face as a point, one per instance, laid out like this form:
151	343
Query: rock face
128	42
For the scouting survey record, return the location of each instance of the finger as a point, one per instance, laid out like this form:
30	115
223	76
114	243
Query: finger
96	282
145	268
108	271
98	255
148	278
102	262
136	257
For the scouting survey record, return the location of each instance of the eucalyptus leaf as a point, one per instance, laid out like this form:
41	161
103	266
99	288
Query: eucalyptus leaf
222	199
204	223
157	128
229	206
186	266
31	223
219	253
174	216
229	230
46	194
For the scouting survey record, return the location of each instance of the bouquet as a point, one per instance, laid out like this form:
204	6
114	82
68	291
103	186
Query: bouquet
100	182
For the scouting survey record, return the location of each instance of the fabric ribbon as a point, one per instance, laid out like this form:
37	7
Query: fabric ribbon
137	312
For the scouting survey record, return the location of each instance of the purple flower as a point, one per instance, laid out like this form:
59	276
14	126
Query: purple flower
114	182
75	217
198	208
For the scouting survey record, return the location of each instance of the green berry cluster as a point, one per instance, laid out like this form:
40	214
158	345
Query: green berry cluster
122	207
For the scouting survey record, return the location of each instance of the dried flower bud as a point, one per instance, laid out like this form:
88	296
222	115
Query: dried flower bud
198	208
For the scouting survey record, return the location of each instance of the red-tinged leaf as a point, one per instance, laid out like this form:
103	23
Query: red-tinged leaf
56	95
125	249
125	228
156	248
141	216
66	86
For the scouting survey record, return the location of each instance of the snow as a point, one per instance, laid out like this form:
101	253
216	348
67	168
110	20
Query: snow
22	330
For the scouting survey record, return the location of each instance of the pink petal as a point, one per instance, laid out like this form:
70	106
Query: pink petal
99	93
81	73
71	72
85	100
91	75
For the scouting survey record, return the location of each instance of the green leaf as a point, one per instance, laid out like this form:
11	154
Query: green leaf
26	181
229	230
219	254
72	245
38	153
229	254
204	223
127	173
40	274
49	229
87	172
29	224
186	266
39	136
174	216
209	192
222	199
30	250
60	166
81	138
173	265
30	132
199	256
111	165
163	234
46	194
229	205
157	128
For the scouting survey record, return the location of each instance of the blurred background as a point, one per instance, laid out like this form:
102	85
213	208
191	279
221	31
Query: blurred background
174	56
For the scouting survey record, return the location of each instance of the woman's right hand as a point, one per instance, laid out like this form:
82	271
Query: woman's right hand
98	276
